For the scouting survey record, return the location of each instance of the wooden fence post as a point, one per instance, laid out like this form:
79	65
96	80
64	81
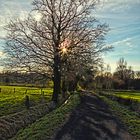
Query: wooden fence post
26	91
27	102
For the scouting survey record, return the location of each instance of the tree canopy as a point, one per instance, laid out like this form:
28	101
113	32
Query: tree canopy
67	30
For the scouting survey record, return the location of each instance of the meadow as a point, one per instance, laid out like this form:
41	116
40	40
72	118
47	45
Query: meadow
12	98
129	99
126	106
134	95
129	118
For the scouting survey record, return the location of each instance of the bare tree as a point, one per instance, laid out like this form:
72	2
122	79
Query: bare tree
66	26
137	74
124	72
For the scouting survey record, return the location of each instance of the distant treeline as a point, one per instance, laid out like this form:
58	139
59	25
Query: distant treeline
123	78
24	79
105	80
112	81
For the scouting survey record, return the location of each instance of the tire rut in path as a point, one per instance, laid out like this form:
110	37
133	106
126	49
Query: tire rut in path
92	120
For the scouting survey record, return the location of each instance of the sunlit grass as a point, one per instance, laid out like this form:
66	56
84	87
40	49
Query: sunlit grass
128	95
128	117
12	98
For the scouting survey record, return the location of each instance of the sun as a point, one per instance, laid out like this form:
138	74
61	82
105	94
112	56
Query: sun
65	46
64	50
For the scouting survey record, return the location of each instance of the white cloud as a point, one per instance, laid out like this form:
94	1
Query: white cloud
1	54
126	42
122	48
129	44
23	15
119	5
36	15
11	10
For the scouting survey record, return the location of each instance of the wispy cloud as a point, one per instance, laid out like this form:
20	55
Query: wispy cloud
10	10
127	42
124	21
121	15
119	5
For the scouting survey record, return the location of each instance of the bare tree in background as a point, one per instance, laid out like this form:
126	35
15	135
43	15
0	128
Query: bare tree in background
124	72
66	26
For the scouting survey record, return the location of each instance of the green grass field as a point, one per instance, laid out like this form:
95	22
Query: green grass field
128	117
12	98
128	95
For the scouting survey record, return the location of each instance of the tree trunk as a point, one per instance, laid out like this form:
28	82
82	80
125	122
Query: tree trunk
56	79
64	88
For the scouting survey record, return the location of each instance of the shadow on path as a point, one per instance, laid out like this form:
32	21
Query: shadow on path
92	120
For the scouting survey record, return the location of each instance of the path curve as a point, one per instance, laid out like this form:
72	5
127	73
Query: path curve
92	120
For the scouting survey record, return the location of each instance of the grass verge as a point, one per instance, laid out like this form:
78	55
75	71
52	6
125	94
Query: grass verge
126	116
44	128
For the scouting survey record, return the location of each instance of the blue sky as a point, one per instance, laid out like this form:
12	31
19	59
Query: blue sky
122	16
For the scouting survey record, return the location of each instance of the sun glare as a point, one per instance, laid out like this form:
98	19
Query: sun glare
1	54
64	50
64	46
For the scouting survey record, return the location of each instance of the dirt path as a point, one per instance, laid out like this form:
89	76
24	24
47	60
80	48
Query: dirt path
92	120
